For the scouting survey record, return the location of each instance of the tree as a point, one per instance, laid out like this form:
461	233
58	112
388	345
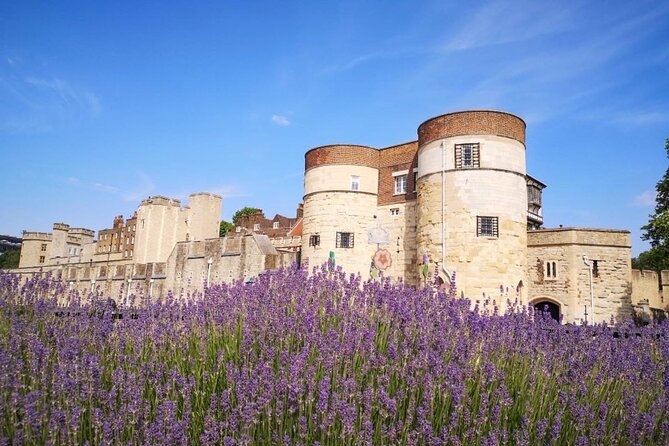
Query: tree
657	229
224	228
243	212
9	259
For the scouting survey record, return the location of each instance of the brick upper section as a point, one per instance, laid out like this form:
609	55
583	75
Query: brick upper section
341	154
481	122
394	159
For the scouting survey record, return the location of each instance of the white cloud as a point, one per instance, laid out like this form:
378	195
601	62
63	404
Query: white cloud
281	120
645	199
73	181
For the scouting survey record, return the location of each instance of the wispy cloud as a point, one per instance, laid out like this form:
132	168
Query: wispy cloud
74	181
11	61
142	190
505	21
229	191
106	188
645	199
281	120
68	95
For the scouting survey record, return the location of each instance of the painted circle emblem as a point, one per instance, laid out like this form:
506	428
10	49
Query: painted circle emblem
382	259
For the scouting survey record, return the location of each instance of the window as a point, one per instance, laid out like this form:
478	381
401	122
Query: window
275	225
130	253
238	229
344	240
467	156
400	184
395	211
487	227
595	268
550	272
315	240
133	240
415	180
43	247
355	182
256	227
41	259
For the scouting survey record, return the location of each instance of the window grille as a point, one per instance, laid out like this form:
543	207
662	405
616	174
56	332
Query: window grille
355	182
314	240
487	227
467	156
344	240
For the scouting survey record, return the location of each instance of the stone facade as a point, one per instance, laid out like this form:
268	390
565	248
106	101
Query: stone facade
561	263
460	197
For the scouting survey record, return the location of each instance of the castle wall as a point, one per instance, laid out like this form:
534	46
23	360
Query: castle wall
401	228
203	216
34	246
160	225
566	247
646	285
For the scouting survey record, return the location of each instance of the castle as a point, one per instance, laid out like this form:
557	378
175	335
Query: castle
457	203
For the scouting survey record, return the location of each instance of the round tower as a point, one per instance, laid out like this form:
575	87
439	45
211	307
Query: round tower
340	200
472	201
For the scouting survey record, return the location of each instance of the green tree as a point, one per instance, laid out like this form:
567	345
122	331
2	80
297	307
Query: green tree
657	229
9	259
242	212
224	228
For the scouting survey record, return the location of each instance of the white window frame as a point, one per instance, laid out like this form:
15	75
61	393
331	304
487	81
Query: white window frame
256	226
401	184
276	225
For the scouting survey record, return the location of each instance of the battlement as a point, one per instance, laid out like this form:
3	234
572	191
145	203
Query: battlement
81	231
161	201
205	194
61	227
33	235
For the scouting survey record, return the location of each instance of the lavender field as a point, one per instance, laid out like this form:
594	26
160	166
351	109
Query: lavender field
320	360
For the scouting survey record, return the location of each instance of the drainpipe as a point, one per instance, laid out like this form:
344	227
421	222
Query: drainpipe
443	211
588	262
209	262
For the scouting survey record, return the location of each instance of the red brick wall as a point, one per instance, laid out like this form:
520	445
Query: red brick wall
342	154
472	123
394	159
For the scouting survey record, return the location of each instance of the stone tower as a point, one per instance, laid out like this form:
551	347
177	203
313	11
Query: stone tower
472	200
340	201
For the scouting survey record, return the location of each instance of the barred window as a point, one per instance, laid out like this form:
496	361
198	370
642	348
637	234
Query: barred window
355	182
551	270
41	259
467	156
344	240
314	240
43	247
487	227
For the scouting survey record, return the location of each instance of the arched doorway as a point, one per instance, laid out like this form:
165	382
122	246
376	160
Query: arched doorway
547	306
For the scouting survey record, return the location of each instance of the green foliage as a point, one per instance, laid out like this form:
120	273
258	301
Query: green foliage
242	212
655	259
224	228
10	259
657	229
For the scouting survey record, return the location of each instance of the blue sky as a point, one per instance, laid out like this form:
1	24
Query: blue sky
105	103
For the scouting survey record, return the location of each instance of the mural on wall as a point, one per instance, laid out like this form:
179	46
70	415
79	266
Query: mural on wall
381	259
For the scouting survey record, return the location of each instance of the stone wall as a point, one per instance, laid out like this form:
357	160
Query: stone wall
184	273
569	249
